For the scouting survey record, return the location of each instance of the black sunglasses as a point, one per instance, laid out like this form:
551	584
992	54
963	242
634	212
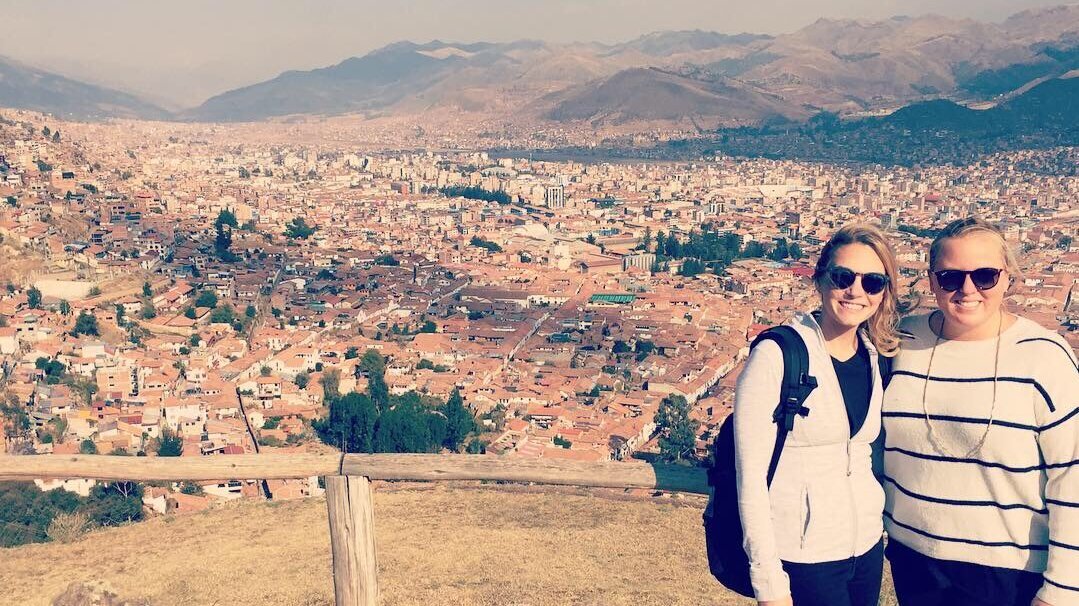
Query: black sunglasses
842	278
983	278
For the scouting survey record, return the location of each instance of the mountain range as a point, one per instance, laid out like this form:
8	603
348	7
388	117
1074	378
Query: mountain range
25	87
691	78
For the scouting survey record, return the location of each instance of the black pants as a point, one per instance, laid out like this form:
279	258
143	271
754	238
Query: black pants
851	582
924	581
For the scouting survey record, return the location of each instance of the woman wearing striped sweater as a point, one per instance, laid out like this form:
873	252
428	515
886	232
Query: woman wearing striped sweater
982	441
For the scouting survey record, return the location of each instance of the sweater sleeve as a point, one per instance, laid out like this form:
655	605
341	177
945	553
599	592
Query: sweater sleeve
755	400
1057	411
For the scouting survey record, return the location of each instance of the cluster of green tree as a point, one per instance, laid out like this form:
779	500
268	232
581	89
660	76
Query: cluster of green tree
678	432
299	229
54	369
375	421
387	260
223	226
85	324
407	330
477	193
925	232
481	243
221	314
56	373
641	350
426	364
707	247
55	134
26	512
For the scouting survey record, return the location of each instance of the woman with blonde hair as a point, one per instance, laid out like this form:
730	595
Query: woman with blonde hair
982	426
813	535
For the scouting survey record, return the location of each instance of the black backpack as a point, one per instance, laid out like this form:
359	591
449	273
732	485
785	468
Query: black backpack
722	524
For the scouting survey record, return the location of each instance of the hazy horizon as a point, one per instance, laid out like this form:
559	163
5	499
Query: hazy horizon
179	58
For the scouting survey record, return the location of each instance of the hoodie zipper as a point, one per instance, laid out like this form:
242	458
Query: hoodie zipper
850	438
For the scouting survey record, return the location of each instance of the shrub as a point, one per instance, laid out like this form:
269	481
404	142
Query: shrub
67	527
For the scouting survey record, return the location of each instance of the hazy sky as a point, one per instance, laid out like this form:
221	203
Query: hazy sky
180	53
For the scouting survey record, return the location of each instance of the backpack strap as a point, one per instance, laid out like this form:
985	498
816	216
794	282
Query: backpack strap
796	386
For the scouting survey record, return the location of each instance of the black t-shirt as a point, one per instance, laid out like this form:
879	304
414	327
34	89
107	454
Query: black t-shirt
855	380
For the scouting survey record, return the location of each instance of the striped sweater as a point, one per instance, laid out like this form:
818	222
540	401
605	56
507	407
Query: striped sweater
1013	503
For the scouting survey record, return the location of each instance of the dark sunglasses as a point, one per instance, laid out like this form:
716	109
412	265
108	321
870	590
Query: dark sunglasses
843	278
983	278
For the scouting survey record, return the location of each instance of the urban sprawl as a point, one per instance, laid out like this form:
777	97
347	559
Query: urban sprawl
203	290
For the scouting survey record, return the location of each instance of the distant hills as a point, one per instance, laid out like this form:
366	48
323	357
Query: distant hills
29	88
685	79
705	78
928	132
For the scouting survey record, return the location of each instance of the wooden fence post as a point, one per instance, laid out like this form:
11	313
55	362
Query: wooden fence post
352	540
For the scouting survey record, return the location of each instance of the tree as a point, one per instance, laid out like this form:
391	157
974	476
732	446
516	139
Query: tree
206	298
119	311
148	311
65	307
691	267
459	421
352	353
191	488
678	432
429	327
85	324
87	447
796	252
299	229
330	382
780	251
646	240
250	312
753	249
405	427
115	503
223	238
1064	243
591	239
350	424
16	421
33	298
56	136
374	366
226	217
190	313
485	244
45	130
147	290
223	315
302	379
170	444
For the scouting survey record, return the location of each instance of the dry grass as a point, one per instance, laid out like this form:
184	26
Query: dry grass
436	545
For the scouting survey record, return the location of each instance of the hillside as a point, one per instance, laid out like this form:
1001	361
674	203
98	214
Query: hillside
436	545
653	94
26	87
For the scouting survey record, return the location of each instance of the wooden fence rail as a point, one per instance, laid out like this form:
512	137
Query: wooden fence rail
348	491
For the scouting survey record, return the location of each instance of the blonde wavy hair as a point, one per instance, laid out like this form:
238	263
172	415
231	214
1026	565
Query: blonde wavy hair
974	225
882	326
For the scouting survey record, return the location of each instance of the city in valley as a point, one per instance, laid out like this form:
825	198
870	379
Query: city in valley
201	290
535	243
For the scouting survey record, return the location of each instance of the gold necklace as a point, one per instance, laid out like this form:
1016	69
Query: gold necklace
938	445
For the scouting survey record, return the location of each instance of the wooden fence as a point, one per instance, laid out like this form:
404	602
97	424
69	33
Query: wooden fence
348	490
